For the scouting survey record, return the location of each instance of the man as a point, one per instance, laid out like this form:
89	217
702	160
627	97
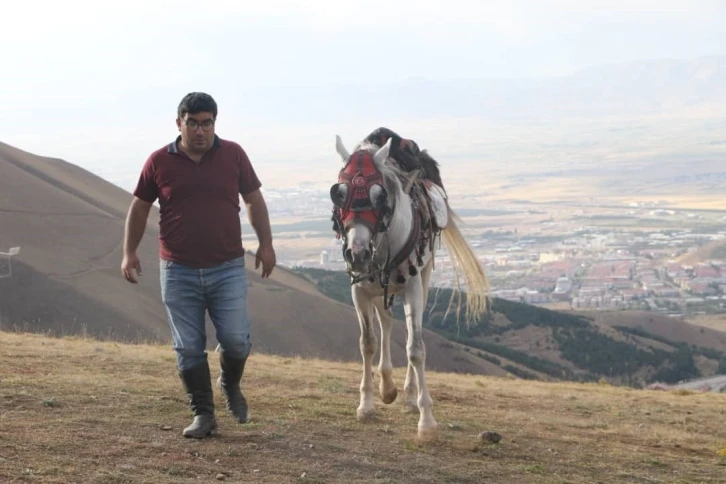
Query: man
198	179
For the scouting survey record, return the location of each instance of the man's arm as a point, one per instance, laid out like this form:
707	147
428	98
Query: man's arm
135	226
249	188
258	216
260	221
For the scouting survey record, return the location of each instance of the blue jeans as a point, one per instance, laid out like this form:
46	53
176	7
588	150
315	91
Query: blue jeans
188	293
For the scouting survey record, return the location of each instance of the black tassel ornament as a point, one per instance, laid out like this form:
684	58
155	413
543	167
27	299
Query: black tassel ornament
412	270
400	279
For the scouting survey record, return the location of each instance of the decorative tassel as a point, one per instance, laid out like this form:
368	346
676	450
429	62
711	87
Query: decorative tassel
400	279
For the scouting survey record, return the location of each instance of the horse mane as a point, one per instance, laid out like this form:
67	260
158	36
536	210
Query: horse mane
431	168
406	154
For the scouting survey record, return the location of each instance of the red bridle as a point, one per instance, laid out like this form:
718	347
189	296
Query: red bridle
359	175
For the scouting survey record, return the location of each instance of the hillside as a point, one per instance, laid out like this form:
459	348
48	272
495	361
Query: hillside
715	250
66	280
535	343
106	412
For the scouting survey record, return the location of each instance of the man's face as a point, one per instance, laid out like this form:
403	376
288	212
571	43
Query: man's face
197	131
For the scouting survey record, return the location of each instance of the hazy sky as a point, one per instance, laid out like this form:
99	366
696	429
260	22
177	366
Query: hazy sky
98	83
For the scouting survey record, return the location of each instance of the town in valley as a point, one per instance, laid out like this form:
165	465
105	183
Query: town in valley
586	256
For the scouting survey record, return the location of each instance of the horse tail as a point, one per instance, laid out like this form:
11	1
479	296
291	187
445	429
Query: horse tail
463	259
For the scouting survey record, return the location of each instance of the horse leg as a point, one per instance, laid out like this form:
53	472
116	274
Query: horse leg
410	388
410	391
363	307
387	386
416	351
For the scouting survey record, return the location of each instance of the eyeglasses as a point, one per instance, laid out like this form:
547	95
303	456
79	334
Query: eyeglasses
193	124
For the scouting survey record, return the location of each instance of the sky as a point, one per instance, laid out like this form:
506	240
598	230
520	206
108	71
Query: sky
98	83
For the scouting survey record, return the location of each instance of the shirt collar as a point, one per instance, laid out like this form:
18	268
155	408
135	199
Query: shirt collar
174	145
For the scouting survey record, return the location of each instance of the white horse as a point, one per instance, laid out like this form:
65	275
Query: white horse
389	221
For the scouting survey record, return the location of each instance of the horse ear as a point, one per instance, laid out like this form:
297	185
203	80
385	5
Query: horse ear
380	157
340	148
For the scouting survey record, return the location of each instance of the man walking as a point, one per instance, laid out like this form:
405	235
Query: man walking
198	179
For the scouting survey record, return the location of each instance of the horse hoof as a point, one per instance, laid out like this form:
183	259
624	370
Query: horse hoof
429	434
389	397
366	415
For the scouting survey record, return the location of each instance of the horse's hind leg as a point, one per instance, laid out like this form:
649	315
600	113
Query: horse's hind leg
364	308
410	391
387	386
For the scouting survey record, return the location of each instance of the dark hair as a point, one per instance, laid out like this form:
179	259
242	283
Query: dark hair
197	102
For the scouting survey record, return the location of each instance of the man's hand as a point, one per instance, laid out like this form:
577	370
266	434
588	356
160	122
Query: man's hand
265	255
130	263
260	221
134	230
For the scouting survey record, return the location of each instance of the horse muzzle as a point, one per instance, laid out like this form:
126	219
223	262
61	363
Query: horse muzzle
358	256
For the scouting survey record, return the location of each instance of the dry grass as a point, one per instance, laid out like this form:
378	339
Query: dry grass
664	326
75	410
712	321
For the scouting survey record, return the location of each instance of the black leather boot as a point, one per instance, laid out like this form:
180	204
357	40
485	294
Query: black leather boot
229	382
198	386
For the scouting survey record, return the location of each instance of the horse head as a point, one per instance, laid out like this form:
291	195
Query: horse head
361	202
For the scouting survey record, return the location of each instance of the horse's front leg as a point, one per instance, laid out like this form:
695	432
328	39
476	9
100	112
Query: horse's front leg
410	388
387	386
413	305
364	309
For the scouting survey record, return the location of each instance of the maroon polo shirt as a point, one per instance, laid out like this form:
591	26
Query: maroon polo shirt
199	203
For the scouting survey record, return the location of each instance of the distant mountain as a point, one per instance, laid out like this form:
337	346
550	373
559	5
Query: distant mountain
638	88
643	87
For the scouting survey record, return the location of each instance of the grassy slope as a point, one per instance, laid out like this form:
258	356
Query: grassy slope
79	410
